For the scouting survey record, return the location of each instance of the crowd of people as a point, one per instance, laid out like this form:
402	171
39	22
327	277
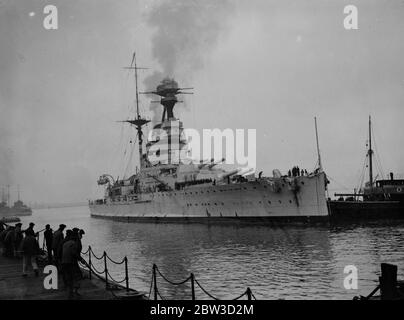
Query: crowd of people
297	172
63	249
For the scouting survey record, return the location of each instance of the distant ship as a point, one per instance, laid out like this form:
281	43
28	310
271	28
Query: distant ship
379	199
200	191
18	209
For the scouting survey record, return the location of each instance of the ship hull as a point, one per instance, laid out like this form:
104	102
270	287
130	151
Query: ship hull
254	201
15	213
365	210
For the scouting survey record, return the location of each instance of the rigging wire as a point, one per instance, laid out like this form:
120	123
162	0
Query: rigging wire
362	175
378	160
340	184
130	157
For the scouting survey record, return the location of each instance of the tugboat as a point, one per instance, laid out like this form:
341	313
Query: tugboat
179	190
18	209
379	199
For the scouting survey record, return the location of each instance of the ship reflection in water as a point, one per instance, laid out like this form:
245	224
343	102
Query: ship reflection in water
276	263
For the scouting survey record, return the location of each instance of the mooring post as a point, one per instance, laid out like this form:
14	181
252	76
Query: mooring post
89	263
126	273
388	281
106	270
249	294
155	281
193	286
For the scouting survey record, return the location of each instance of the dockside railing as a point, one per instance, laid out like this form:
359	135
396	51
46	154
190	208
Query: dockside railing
105	275
156	293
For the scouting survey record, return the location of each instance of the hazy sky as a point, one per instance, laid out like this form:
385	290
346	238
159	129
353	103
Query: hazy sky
268	65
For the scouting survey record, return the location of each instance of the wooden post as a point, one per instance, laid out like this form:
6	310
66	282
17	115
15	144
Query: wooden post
155	281
249	294
106	270
126	274
89	263
388	281
193	286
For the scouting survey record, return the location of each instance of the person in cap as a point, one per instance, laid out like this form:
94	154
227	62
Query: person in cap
3	235
78	275
68	261
30	250
57	241
18	237
48	235
9	242
30	230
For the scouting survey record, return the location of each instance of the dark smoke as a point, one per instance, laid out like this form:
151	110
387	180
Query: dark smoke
186	31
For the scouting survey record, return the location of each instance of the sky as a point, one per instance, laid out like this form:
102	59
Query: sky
267	65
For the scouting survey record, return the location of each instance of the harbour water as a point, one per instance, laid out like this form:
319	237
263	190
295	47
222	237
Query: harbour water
293	262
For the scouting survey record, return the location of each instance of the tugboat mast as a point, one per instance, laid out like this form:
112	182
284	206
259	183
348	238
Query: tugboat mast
139	122
318	147
370	153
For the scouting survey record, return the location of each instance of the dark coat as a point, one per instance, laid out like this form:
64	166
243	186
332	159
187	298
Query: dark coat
30	246
10	237
70	252
57	239
48	234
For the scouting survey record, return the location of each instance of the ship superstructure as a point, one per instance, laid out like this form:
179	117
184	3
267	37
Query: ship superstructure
170	187
378	199
18	208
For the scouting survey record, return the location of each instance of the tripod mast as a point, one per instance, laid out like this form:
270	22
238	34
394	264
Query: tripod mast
139	122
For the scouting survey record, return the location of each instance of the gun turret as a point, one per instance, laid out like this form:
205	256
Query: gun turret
216	163
229	174
204	163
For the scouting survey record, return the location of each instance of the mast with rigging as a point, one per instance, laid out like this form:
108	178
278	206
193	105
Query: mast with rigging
370	154
138	122
320	166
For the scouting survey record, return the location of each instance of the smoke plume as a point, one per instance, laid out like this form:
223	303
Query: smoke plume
186	31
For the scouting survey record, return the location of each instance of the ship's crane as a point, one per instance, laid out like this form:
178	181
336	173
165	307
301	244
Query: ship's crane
106	178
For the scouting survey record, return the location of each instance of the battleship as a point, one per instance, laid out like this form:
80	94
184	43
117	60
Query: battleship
18	208
378	199
173	189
